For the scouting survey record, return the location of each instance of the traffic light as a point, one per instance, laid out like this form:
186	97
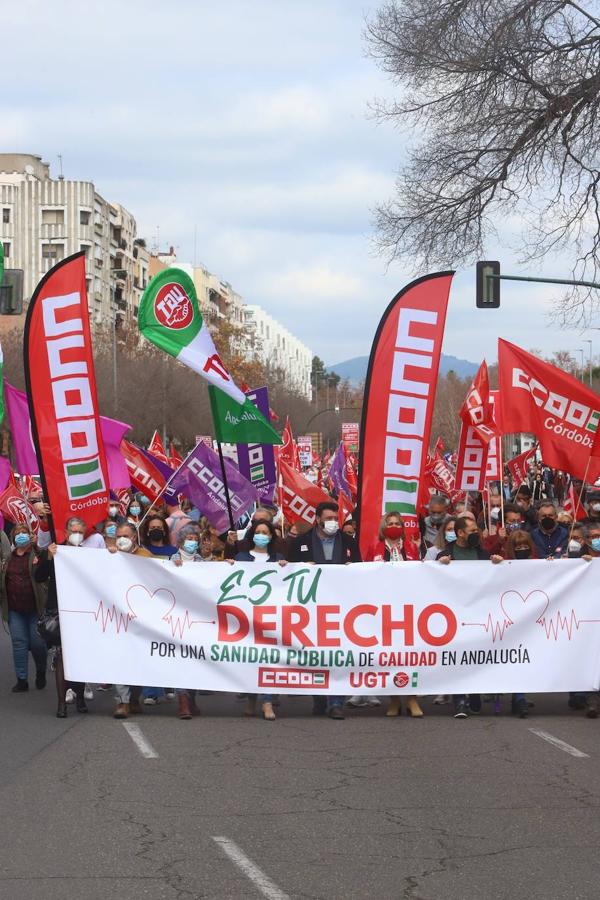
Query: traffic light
11	293
487	289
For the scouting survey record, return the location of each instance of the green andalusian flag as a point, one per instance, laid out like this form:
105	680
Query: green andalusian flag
169	316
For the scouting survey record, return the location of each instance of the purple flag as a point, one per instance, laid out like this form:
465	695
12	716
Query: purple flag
169	494
26	462
337	471
257	461
199	478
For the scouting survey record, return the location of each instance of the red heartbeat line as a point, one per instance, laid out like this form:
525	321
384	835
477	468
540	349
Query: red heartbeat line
178	625
558	622
496	626
108	616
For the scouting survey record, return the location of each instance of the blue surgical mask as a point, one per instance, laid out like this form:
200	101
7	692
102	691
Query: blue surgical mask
596	545
450	537
262	540
110	531
144	500
135	510
190	546
22	539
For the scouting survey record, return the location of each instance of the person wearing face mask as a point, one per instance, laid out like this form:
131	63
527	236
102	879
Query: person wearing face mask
23	601
593	509
393	546
154	536
446	536
109	533
466	547
437	513
522	499
233	544
325	544
127	696
134	512
114	513
261	536
550	538
577	538
44	573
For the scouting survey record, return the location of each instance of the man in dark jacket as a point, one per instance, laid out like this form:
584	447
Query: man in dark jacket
326	545
550	538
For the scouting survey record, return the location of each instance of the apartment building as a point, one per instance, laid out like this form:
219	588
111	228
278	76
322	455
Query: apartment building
278	349
45	219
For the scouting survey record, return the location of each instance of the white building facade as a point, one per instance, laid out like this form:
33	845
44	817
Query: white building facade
44	220
278	349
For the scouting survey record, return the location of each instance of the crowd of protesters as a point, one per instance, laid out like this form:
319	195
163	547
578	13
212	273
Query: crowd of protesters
515	521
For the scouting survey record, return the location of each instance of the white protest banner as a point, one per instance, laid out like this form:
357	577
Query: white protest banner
382	628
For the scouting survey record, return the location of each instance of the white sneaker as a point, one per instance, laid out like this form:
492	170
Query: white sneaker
373	701
70	696
441	699
150	701
88	693
357	701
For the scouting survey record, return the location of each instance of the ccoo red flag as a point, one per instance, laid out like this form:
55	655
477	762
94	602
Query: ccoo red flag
299	496
518	465
573	504
175	459
564	414
157	449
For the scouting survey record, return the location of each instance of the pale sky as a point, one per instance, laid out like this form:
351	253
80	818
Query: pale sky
246	125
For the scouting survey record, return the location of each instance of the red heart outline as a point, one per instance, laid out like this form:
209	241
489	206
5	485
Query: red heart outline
523	600
151	595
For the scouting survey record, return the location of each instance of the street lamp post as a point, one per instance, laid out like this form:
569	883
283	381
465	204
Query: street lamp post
588	341
582	373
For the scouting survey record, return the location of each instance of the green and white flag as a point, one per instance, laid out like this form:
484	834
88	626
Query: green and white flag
170	317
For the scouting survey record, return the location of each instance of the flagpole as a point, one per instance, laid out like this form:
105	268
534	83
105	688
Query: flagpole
224	474
579	495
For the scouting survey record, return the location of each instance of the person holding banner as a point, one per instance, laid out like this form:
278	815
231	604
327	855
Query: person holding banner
550	538
23	601
261	537
44	573
466	547
325	544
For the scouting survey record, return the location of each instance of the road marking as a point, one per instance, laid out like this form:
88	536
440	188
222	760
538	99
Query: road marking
556	742
135	733
261	881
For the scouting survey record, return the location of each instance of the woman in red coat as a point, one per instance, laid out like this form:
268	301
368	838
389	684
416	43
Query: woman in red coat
393	545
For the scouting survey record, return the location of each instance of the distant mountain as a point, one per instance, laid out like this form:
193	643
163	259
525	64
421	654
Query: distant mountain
355	370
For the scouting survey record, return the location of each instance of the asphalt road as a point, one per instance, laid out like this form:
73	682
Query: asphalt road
227	807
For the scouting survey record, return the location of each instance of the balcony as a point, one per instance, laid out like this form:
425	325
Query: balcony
121	304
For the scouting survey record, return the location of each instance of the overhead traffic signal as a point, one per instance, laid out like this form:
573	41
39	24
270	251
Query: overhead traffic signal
487	294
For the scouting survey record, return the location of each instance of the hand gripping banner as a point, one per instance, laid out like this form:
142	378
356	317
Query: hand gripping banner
398	405
61	390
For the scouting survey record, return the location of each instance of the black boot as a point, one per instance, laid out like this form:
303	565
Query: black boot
80	704
61	712
21	686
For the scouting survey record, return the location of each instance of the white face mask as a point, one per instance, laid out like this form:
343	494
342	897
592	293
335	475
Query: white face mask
76	539
574	546
595	507
124	543
495	512
330	527
113	510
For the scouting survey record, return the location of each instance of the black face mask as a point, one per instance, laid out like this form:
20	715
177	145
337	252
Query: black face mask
473	541
547	523
523	554
156	534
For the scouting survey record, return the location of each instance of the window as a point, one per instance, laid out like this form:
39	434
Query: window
84	216
53	251
85	248
6	248
53	217
6	216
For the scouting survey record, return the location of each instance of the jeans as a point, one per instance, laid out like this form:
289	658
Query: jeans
25	639
322	703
